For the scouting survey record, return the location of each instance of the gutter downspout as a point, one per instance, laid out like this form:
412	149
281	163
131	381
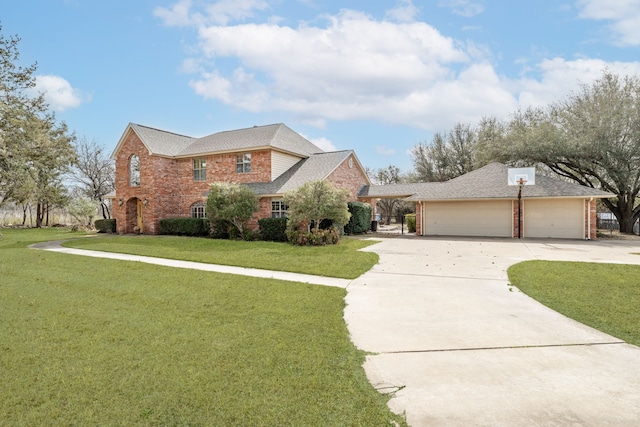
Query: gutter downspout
589	219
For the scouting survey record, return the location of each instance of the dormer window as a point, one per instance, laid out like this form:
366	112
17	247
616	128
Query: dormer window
134	171
243	163
200	169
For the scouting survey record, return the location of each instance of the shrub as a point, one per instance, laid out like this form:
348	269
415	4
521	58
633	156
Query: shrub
185	226
234	203
105	225
221	229
411	222
273	229
314	238
360	220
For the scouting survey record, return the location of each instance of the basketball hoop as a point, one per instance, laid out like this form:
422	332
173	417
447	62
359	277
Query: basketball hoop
521	177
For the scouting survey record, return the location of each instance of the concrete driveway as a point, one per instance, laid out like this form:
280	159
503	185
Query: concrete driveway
458	346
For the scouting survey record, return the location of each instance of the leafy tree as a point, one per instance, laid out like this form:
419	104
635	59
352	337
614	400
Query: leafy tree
447	156
94	173
591	137
83	209
316	201
34	150
234	203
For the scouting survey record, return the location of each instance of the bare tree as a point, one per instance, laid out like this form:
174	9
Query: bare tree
94	173
385	176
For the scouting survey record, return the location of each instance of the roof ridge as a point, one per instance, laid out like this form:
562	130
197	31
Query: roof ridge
161	130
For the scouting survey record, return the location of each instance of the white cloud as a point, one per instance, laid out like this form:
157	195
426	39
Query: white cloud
324	144
384	151
221	12
623	14
58	92
354	67
466	8
406	11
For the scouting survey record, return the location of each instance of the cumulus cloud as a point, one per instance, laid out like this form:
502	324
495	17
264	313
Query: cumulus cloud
624	16
58	92
221	12
324	144
352	66
406	11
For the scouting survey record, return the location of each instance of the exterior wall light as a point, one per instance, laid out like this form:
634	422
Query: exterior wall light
120	202
145	202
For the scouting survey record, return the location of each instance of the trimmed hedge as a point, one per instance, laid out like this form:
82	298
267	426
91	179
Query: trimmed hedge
221	229
411	222
360	220
320	238
185	226
106	225
273	229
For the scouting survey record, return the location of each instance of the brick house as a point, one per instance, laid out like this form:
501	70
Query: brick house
161	174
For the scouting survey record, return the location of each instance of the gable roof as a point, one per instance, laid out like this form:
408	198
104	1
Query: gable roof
316	167
167	144
488	182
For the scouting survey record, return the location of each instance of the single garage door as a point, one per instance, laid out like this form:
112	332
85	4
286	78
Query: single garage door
469	218
562	218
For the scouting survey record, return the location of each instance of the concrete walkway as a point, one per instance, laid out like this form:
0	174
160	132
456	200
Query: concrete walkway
55	246
460	347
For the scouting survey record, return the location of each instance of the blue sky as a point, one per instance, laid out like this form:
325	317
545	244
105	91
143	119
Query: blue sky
378	77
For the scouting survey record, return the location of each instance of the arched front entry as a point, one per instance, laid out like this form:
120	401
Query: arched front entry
135	216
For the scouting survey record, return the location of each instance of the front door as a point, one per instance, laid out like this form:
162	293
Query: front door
139	220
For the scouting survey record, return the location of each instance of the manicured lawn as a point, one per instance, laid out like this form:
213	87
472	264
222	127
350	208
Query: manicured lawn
342	260
603	296
86	341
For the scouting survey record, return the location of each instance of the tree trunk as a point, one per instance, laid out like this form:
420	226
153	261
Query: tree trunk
39	215
626	224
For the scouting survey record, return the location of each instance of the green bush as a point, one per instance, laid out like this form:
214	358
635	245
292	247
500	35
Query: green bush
273	229
106	225
360	220
314	238
185	226
221	229
411	222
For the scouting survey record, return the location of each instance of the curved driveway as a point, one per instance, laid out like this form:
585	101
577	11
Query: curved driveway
458	346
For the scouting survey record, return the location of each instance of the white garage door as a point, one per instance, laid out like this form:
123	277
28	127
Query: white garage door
481	218
554	218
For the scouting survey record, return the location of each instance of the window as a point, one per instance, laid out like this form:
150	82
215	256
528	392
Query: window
199	169
134	171
243	163
278	209
198	211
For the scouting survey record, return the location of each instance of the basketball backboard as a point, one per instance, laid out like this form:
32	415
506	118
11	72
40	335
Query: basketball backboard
527	175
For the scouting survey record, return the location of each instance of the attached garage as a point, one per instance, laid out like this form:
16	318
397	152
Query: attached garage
554	218
468	218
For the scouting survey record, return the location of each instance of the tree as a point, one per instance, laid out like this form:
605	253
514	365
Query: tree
315	201
385	176
34	150
447	156
94	173
592	137
83	209
234	203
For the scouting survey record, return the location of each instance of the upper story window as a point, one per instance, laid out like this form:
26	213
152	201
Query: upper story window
198	210
134	171
199	169
278	209
243	163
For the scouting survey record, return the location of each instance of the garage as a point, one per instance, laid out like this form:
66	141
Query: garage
468	218
560	218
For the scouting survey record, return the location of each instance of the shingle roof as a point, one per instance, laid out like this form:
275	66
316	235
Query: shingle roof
277	136
161	142
488	182
317	166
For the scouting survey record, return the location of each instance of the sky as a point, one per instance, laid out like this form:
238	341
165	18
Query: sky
378	77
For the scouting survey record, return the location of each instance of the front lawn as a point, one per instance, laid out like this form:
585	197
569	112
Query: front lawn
343	260
603	296
87	341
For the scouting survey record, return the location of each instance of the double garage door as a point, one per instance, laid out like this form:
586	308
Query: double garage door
551	218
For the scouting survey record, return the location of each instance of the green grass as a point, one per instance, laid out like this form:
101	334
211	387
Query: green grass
342	260
603	296
86	341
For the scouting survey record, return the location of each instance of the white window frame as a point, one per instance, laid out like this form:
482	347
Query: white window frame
243	163
278	208
199	210
200	169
